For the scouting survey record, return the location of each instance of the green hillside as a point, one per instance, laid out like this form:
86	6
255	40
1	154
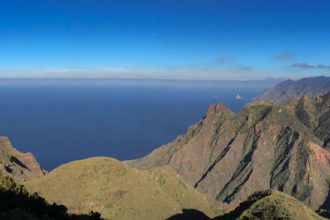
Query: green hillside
271	205
262	205
118	191
17	204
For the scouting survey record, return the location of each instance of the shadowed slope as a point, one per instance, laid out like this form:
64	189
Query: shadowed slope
264	205
17	203
314	113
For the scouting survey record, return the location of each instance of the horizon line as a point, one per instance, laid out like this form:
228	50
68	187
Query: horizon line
147	79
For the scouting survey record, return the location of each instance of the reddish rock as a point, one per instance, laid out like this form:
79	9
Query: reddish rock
230	155
21	166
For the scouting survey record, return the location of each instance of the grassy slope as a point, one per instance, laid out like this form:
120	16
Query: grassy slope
280	206
17	204
277	205
118	191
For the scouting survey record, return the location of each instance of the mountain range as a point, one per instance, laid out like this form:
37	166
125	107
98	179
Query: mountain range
117	191
290	89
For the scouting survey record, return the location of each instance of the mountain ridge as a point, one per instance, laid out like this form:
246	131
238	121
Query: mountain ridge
287	90
263	146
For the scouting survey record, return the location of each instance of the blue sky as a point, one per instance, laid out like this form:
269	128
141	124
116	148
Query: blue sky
171	39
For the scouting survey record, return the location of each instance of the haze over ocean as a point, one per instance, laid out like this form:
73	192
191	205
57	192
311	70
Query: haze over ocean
65	120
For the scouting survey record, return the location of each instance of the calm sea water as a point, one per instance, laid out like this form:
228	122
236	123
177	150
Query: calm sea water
64	120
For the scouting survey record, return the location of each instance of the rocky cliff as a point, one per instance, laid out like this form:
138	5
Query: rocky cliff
19	165
314	113
265	146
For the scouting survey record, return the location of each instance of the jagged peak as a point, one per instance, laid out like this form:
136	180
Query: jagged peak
217	108
220	108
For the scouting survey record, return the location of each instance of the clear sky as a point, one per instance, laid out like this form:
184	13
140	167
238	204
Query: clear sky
171	39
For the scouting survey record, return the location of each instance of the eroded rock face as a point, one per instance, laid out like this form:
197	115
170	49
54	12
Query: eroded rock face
231	155
315	114
19	165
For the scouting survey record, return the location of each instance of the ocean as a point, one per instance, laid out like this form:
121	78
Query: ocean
61	120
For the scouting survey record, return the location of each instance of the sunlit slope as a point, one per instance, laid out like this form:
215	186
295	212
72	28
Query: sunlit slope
16	164
269	205
229	156
118	191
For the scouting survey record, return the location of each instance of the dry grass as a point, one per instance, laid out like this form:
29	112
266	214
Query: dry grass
118	191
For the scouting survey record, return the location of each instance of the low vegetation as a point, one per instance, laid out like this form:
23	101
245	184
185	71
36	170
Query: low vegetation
17	204
271	205
118	191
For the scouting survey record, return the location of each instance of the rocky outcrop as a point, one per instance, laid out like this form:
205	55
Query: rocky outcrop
289	89
229	155
19	165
